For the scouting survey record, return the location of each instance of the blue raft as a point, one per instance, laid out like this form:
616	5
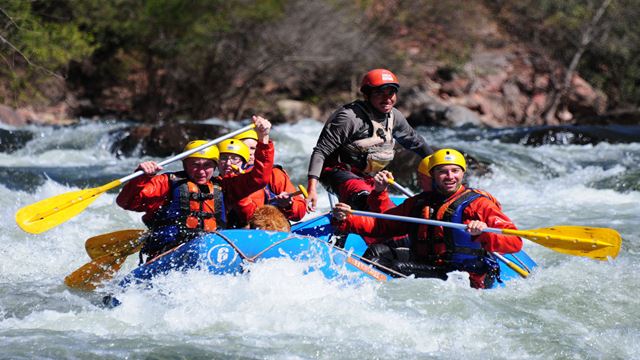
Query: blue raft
228	251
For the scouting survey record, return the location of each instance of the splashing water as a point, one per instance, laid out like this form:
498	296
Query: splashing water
571	307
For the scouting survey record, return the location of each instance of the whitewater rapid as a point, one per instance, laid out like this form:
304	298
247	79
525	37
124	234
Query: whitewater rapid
571	307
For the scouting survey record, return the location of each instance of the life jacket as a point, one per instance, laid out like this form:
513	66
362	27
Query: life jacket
373	151
189	213
456	249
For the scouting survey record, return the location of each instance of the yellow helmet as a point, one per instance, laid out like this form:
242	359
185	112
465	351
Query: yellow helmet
207	153
447	157
234	146
249	134
423	167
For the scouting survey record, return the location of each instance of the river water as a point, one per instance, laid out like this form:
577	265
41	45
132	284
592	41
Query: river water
570	308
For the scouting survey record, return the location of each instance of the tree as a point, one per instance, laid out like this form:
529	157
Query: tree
589	31
599	39
36	44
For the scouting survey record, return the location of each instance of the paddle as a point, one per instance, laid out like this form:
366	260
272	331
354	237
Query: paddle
124	242
402	189
48	213
107	252
88	275
596	243
524	273
301	191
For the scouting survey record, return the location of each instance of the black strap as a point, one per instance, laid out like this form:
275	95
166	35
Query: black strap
416	212
218	207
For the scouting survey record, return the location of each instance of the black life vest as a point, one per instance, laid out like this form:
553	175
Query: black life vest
191	211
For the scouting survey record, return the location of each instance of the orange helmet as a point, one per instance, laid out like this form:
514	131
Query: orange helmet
378	78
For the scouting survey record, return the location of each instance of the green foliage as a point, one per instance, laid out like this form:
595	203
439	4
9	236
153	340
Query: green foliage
198	58
34	49
46	43
167	59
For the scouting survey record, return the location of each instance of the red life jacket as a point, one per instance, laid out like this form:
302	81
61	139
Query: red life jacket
445	246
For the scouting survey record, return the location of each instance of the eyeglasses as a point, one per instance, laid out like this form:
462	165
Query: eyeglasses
230	158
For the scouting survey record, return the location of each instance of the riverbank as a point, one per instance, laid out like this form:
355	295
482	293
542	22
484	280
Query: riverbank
457	67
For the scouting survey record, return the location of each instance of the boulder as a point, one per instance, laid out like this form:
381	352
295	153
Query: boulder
291	111
12	140
570	135
438	114
11	117
162	140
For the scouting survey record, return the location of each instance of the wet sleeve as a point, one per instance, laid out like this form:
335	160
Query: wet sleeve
335	133
485	210
282	183
246	206
408	137
377	230
144	193
241	186
298	209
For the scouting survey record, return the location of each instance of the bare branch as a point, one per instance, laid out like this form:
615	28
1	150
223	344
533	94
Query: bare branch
585	40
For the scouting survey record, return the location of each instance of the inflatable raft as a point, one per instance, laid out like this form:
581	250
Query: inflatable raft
228	252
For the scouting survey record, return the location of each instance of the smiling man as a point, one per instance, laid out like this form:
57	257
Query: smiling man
358	140
436	250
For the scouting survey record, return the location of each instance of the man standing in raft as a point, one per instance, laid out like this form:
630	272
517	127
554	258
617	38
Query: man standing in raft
437	250
182	205
358	139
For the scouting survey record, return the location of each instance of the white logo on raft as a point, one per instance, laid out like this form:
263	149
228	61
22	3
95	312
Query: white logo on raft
221	256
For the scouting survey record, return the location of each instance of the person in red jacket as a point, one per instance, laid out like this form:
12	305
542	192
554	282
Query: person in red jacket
236	158
437	250
179	206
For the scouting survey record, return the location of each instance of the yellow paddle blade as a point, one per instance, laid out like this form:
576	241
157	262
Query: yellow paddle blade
91	274
596	243
303	191
45	214
122	242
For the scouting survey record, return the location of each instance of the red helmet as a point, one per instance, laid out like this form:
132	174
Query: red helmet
378	78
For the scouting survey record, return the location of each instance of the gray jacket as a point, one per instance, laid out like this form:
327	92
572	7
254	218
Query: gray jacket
350	123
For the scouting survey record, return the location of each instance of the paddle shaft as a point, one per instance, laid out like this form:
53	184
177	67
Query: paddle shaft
406	192
189	152
420	221
402	189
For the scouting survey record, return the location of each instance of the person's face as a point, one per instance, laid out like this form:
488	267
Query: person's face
230	163
448	178
383	100
199	170
251	144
